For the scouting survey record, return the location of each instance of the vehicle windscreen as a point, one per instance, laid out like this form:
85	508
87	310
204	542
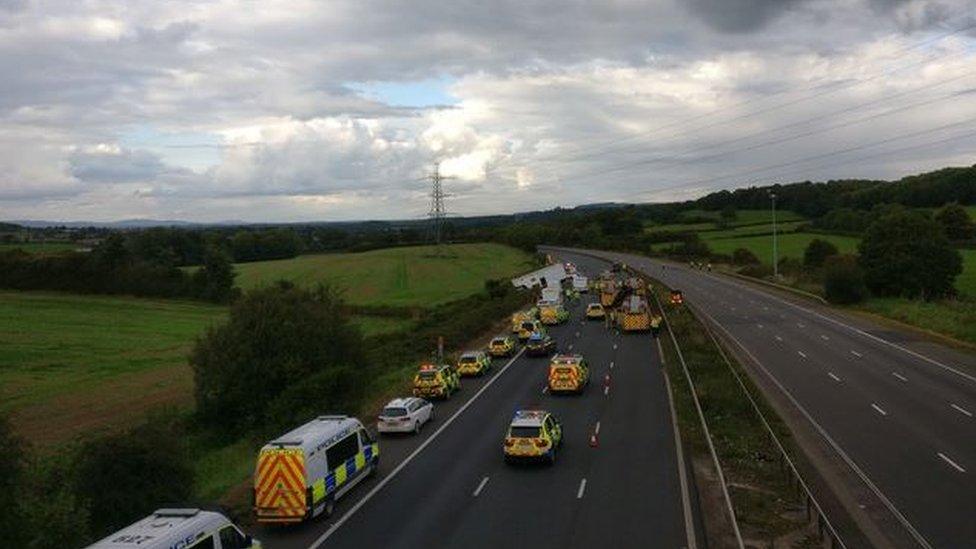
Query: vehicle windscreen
394	411
525	432
562	370
427	375
498	342
469	359
528	326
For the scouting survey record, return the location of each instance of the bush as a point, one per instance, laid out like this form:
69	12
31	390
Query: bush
790	266
275	338
907	254
844	280
122	478
757	270
817	252
57	518
744	256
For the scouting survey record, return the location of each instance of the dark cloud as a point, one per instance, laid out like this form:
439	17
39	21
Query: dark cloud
116	166
740	16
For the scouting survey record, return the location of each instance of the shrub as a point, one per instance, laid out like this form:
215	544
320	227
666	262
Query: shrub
907	254
121	478
844	280
790	266
757	270
818	250
744	256
275	337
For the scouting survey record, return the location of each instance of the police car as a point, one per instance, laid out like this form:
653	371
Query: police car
533	435
180	529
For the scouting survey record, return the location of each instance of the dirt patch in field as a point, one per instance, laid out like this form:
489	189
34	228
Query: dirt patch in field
116	404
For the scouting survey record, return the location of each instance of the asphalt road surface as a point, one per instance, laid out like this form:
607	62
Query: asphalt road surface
900	412
449	487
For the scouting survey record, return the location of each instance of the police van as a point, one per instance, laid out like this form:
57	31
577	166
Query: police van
180	529
302	473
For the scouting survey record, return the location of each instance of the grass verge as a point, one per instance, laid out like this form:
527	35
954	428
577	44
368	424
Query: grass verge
768	509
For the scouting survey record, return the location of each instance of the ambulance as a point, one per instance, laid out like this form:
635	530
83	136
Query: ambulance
302	473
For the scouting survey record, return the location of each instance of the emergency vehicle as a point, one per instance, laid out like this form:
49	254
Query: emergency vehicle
552	312
676	297
634	315
179	529
568	374
433	381
302	473
530	327
474	363
595	311
540	345
533	435
523	316
502	346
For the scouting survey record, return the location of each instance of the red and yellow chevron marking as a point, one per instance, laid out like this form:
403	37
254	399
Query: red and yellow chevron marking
279	485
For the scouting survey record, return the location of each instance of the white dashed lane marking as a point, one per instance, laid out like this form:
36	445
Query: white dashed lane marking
481	486
582	489
961	410
857	354
954	465
801	353
899	376
879	409
833	377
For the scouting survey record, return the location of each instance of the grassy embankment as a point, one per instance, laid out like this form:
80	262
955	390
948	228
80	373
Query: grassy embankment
766	505
73	366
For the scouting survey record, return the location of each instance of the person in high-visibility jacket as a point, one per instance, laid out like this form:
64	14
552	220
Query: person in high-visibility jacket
655	325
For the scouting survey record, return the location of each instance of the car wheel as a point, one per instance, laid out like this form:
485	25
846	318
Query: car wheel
329	507
416	427
552	457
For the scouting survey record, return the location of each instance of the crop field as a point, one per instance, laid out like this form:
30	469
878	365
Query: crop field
410	276
71	364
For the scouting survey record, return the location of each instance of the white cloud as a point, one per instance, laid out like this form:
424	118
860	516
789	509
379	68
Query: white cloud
556	104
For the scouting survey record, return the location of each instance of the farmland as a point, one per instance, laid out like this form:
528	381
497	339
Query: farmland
395	276
789	244
72	364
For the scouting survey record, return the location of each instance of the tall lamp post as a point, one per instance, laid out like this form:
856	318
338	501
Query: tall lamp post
772	196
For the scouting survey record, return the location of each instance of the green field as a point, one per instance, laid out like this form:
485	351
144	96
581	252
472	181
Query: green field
747	217
395	276
751	230
72	364
789	244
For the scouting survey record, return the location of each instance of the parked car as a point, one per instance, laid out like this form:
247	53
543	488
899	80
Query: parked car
405	415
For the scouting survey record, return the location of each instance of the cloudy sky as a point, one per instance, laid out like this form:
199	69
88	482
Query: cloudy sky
295	110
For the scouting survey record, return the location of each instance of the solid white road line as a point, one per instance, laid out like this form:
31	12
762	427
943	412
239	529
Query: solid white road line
857	354
682	473
386	480
801	353
955	465
582	488
833	377
596	430
878	409
480	487
899	376
961	410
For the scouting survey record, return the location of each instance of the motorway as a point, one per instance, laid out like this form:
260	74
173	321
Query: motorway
449	487
898	411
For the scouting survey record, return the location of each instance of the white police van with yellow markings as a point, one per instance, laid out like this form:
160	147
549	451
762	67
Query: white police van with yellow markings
180	529
302	473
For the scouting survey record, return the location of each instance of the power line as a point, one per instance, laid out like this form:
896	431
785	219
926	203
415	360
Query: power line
602	149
